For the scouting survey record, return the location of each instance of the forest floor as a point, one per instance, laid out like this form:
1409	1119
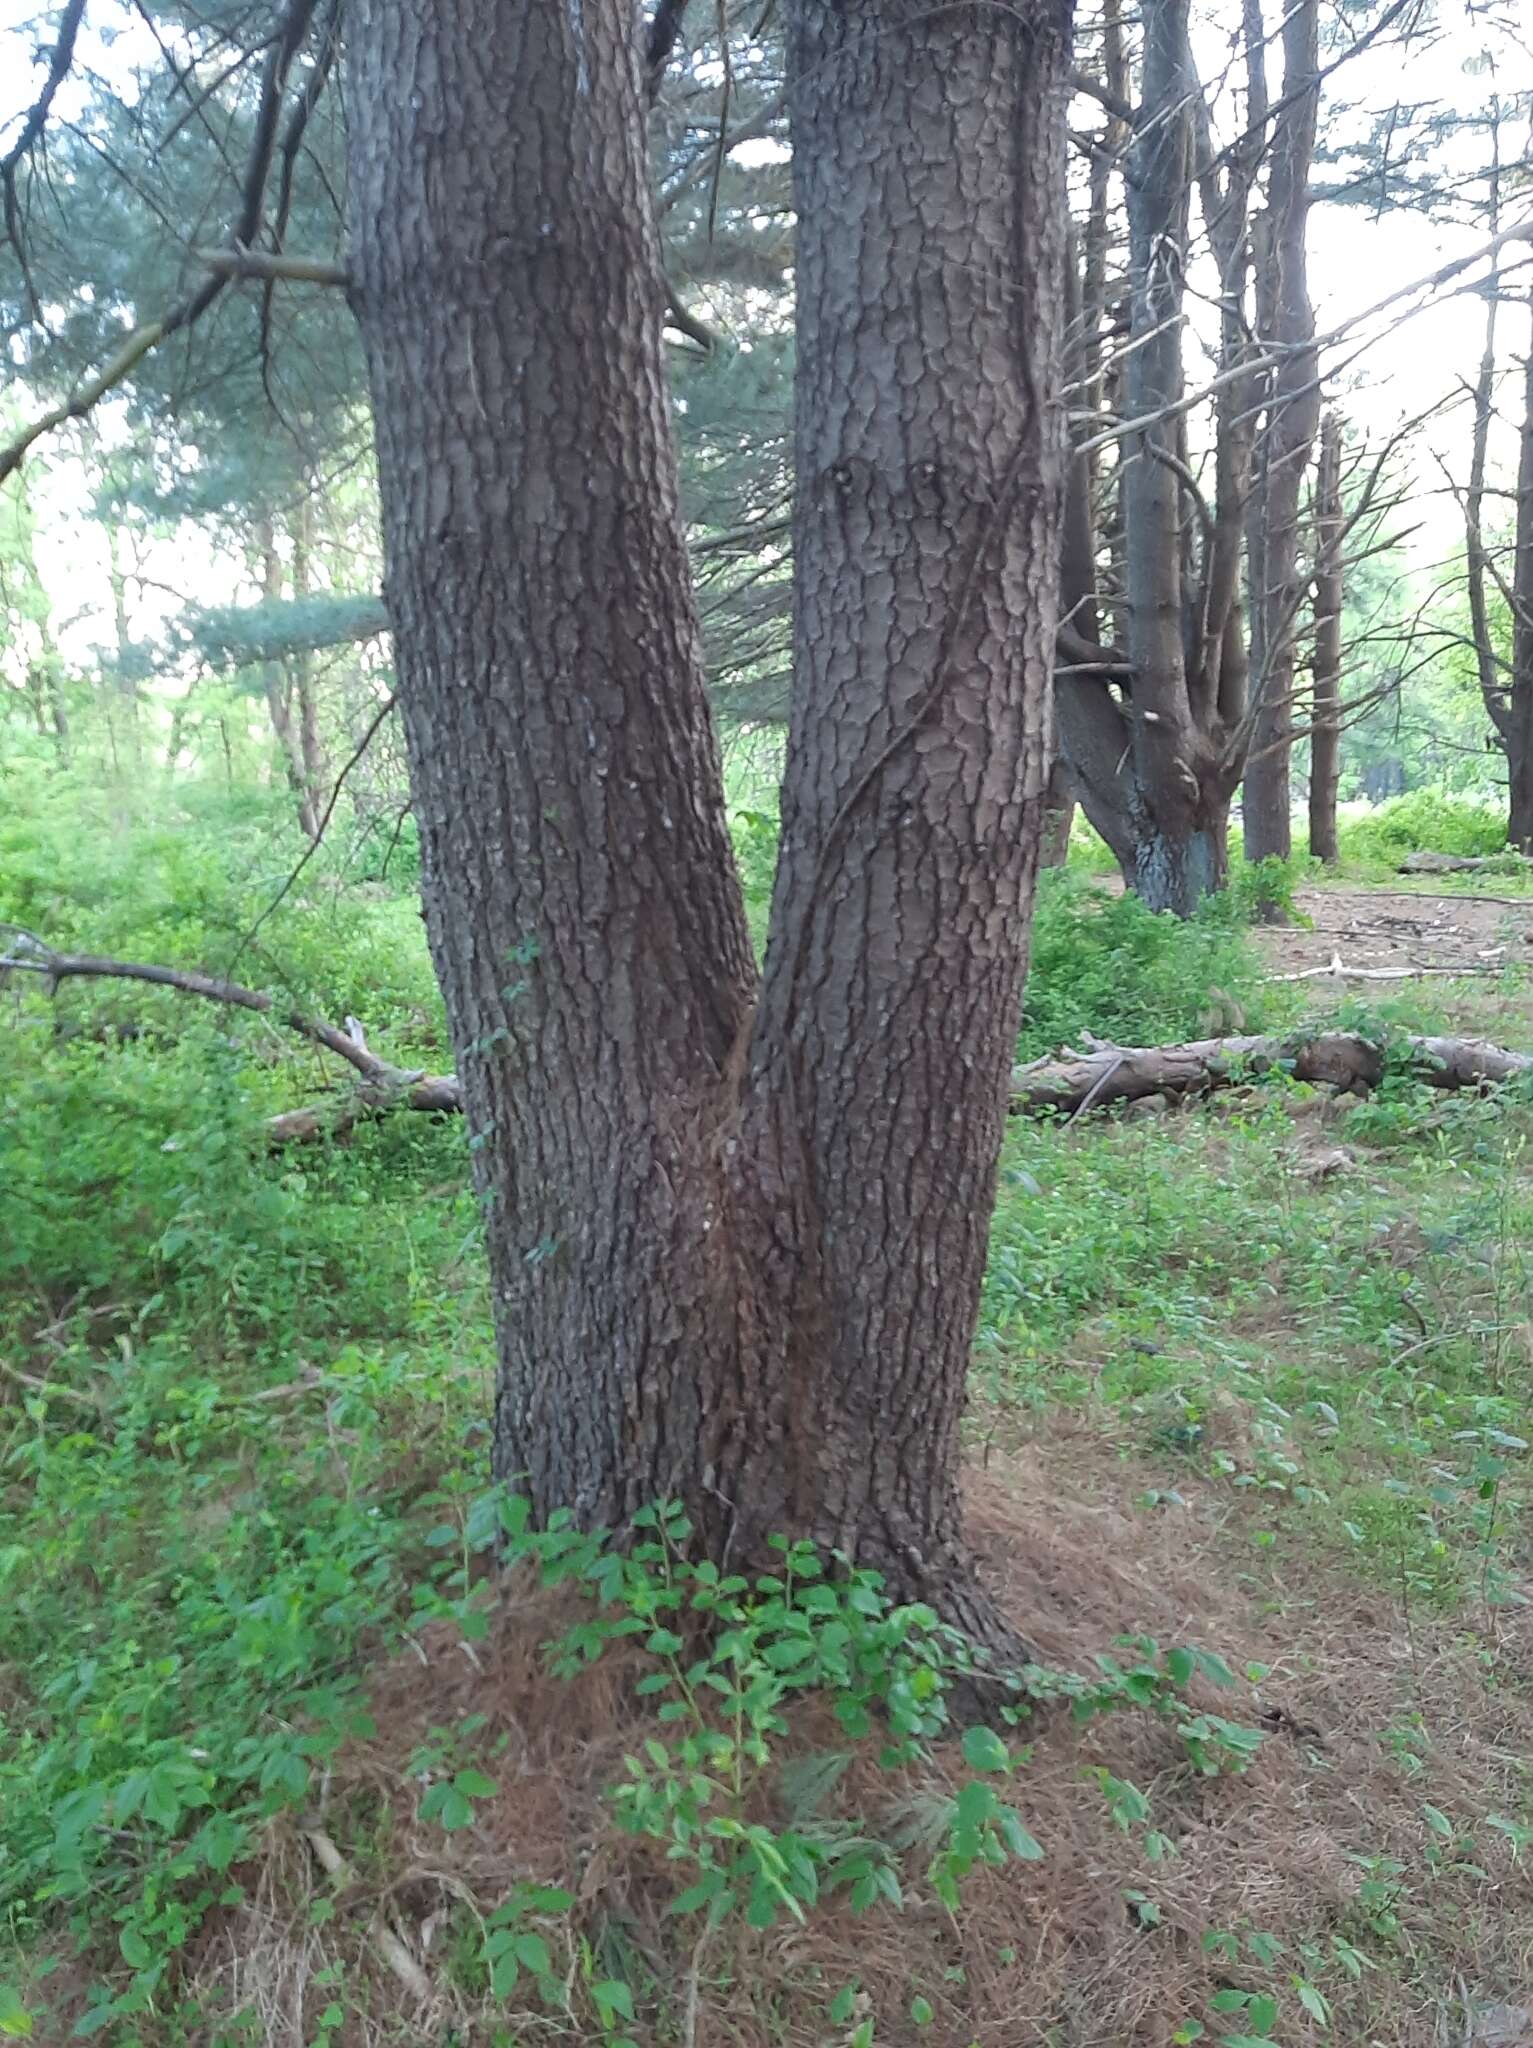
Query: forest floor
1249	1464
1403	930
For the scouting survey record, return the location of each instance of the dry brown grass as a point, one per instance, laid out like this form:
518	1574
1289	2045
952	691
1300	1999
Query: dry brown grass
1050	1953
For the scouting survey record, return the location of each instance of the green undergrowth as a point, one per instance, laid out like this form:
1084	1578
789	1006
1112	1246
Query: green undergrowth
1328	1309
1102	964
1374	842
244	1404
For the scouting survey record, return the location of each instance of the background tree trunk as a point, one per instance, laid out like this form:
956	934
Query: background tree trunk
1286	319
1176	813
1325	721
1493	688
314	767
1058	815
1518	730
733	1260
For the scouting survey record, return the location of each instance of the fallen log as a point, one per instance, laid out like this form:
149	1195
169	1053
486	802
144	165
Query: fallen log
1074	1083
1069	1082
439	1093
1425	863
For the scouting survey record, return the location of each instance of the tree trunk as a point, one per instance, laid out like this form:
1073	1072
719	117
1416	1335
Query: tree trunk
1325	720
314	767
735	1249
288	679
1151	768
1518	730
1492	688
1285	319
1058	815
124	699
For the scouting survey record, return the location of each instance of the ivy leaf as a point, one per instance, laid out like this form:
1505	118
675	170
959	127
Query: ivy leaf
838	2012
135	1950
1314	2004
15	2020
983	1750
1262	2014
1024	1846
613	1996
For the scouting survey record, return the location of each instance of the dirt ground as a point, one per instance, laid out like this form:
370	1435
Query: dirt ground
1468	952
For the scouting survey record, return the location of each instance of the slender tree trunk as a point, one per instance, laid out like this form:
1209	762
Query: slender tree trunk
1058	815
1493	687
314	767
50	708
123	705
1325	721
1178	805
1155	768
1095	750
289	687
1288	433
1519	722
735	1249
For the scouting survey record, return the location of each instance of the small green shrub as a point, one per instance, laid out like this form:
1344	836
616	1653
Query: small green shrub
1105	964
1424	821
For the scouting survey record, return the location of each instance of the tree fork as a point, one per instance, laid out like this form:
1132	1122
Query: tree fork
735	1248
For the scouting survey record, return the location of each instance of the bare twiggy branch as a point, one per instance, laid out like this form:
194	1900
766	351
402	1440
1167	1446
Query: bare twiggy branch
31	129
246	230
270	265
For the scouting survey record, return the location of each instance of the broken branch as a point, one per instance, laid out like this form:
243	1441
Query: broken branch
270	265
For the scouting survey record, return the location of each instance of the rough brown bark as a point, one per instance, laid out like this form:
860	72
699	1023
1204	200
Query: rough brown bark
1325	733
1285	319
928	175
1177	804
735	1250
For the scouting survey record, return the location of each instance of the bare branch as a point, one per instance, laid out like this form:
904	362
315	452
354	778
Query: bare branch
30	131
1093	89
686	322
25	953
323	825
189	311
664	33
270	265
1433	281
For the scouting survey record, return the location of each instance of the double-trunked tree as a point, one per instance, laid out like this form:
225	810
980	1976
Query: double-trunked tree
736	1221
